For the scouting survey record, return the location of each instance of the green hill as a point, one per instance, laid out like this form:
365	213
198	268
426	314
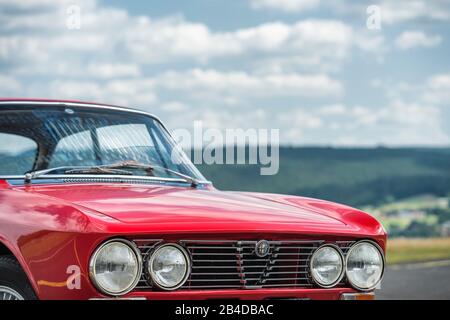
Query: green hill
353	176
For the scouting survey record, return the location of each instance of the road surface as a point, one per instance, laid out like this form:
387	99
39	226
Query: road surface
428	280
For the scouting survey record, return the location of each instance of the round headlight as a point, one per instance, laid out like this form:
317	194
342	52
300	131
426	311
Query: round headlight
115	267
365	265
327	266
169	266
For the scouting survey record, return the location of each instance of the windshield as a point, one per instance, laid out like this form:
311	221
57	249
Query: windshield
42	137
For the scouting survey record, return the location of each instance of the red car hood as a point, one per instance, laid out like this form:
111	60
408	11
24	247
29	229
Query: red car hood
172	208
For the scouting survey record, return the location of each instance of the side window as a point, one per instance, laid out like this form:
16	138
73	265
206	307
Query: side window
74	150
17	154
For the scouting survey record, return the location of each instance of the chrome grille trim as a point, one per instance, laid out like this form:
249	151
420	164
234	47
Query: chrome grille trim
232	264
145	246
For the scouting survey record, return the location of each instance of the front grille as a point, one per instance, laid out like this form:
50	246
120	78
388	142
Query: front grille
218	264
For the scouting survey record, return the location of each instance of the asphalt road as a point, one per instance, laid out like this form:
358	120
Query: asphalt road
422	281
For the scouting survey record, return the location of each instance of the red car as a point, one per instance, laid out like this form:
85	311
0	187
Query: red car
97	202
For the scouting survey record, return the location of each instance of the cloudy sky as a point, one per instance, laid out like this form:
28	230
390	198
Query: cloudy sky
311	68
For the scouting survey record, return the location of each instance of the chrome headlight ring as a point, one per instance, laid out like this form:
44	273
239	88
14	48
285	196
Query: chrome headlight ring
343	266
150	267
93	273
383	261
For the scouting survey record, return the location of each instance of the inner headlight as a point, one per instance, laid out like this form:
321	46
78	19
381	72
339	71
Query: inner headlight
365	265
169	266
115	267
327	266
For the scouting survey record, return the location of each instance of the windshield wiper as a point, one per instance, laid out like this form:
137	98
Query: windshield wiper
116	168
98	170
75	170
149	169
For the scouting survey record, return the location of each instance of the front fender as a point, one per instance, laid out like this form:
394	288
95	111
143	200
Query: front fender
19	257
52	240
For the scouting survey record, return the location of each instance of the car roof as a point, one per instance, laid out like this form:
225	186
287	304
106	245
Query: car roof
76	103
43	101
62	101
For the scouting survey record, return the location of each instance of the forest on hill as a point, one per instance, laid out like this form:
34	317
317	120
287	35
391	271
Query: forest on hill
352	176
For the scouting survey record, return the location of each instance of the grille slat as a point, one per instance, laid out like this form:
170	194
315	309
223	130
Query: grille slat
270	272
213	267
219	254
215	273
276	279
221	287
233	264
212	247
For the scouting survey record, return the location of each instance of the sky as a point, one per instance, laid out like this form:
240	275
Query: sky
328	73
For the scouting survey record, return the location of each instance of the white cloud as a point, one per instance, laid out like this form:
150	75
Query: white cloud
412	39
9	85
37	15
242	83
398	123
438	90
156	41
42	36
168	66
285	5
161	40
38	4
335	109
105	70
174	107
440	82
414	10
267	37
434	91
133	93
220	119
74	71
394	11
395	124
368	41
300	118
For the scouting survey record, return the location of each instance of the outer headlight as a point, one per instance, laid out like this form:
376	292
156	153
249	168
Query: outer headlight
115	267
169	266
327	266
365	265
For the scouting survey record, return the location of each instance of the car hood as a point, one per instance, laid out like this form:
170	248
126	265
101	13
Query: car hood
175	208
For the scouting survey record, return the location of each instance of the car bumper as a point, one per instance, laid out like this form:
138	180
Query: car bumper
259	294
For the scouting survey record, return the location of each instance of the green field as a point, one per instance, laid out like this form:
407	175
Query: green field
415	216
417	250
